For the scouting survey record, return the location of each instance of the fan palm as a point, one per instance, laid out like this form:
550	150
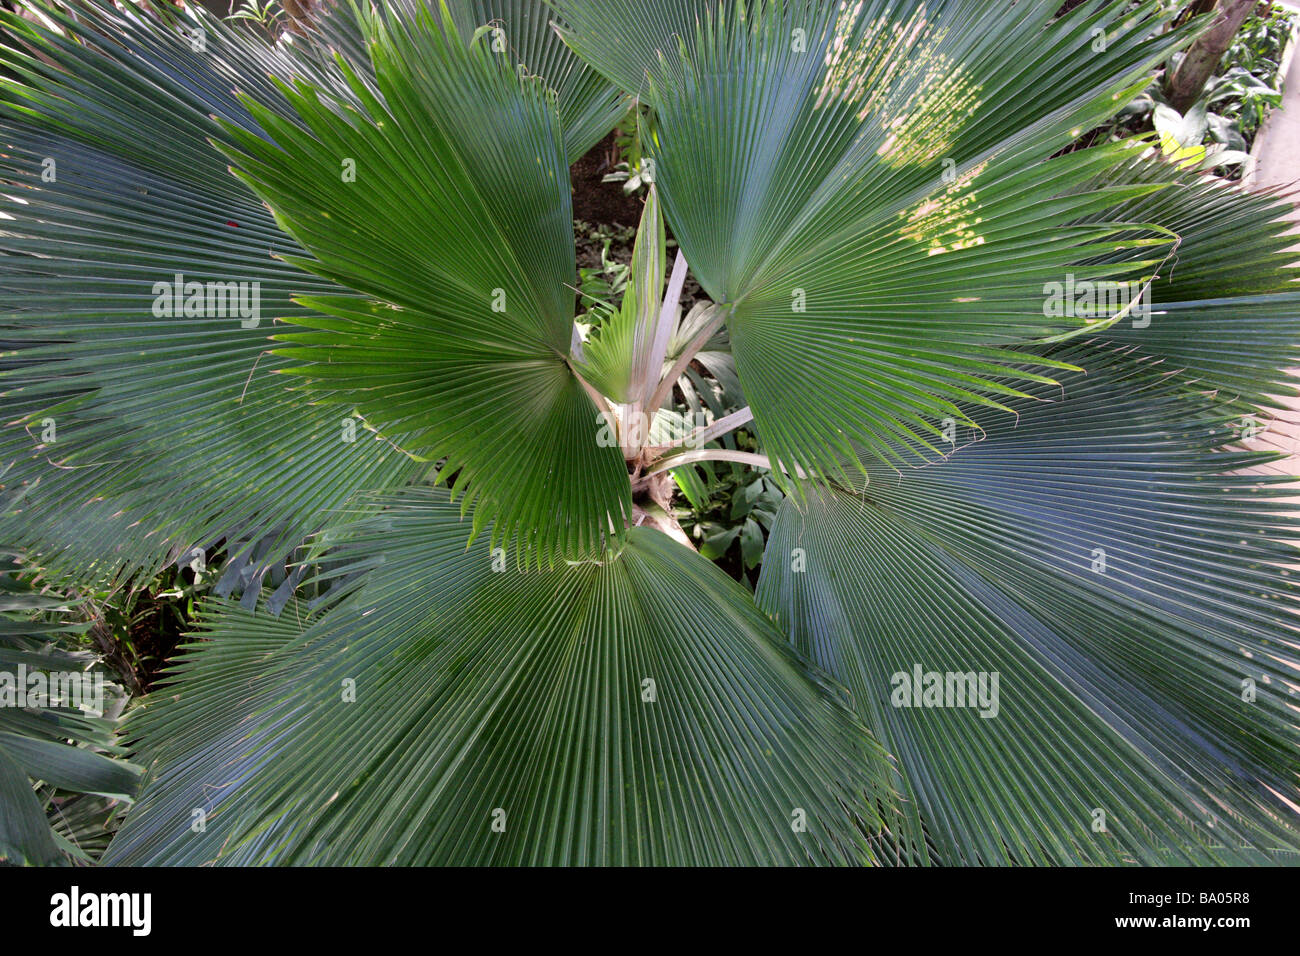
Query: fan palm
312	301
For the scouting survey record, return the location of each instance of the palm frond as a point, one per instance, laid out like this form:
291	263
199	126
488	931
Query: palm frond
635	711
1222	309
138	431
866	188
1134	595
460	337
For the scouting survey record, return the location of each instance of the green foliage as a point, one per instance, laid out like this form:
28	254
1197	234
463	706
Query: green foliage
1250	80
62	773
633	169
600	286
1261	42
486	638
1219	130
731	510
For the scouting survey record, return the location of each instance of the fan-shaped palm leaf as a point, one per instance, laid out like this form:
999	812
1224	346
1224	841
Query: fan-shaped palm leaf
865	187
149	431
636	711
1135	602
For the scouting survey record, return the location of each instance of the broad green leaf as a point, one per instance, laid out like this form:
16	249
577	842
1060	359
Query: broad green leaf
1182	132
1133	596
867	189
137	434
47	746
715	544
71	768
751	543
442	199
632	712
24	835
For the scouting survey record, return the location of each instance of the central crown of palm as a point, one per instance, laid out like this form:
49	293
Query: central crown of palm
877	199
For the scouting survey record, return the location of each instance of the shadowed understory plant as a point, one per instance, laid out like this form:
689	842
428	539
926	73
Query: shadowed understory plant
61	772
1022	601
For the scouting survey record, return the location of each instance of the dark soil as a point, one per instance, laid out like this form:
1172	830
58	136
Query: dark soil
597	201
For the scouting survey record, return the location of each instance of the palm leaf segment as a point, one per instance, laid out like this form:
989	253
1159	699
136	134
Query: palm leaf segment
253	458
637	711
589	106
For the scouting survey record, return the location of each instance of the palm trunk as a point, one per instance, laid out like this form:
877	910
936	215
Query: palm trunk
1198	65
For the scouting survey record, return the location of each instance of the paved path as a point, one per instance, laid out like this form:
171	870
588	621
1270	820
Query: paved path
1277	166
1277	149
